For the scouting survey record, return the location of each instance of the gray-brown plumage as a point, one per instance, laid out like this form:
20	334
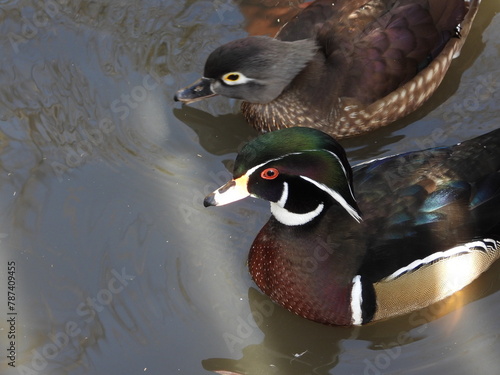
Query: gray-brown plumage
344	67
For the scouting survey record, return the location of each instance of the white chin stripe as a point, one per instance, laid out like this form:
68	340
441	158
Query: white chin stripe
290	218
284	195
356	301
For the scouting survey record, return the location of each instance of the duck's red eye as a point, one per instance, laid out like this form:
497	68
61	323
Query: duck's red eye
269	173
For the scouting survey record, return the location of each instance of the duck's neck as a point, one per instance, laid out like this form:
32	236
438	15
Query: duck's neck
307	268
309	100
285	111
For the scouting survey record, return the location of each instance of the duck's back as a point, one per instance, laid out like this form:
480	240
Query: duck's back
429	201
434	222
393	45
368	51
385	43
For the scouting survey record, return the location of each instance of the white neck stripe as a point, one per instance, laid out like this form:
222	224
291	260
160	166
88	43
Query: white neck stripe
290	218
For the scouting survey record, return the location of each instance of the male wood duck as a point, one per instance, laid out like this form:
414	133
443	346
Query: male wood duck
345	67
349	246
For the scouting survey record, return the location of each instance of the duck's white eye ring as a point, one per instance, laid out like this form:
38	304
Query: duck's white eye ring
235	78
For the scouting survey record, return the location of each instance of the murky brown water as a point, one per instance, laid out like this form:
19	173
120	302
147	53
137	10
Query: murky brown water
119	269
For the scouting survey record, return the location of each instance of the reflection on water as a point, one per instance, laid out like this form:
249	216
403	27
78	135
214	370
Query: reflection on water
119	268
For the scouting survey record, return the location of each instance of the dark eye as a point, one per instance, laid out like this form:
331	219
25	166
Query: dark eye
269	173
232	77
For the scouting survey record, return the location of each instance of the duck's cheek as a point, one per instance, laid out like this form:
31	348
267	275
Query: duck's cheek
269	190
234	92
260	93
217	87
251	91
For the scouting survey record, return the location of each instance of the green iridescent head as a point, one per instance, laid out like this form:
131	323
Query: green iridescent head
301	171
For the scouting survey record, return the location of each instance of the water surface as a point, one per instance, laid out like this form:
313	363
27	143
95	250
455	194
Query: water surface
119	269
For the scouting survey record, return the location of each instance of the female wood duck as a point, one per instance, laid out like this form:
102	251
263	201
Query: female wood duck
345	67
349	246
